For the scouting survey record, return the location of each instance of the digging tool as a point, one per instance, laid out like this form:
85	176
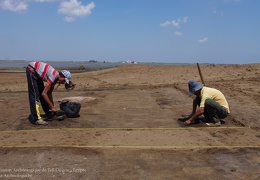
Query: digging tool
201	77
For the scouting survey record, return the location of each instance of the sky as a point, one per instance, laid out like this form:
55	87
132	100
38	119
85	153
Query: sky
168	31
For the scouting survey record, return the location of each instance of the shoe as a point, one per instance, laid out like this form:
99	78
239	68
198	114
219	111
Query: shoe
214	124
222	122
60	118
50	116
41	122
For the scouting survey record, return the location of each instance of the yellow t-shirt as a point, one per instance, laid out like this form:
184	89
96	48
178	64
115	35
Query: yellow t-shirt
215	95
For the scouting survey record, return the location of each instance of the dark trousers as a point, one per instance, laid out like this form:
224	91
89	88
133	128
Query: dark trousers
35	89
213	111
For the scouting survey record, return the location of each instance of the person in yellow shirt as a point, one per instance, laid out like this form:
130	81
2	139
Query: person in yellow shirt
210	102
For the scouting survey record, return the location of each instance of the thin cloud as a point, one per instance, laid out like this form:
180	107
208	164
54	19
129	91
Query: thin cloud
165	24
43	0
221	12
69	19
74	8
70	8
14	5
178	33
18	5
175	23
235	1
185	19
218	12
204	40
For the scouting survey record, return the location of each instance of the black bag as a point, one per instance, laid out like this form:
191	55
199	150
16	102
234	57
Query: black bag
71	109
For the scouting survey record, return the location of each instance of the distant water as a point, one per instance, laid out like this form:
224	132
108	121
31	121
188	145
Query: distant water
77	64
59	64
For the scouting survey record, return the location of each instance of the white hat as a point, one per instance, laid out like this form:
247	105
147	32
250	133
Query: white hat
67	75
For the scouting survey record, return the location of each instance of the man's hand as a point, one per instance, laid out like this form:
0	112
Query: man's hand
188	122
193	118
53	109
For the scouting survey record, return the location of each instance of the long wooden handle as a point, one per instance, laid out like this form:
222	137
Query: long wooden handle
201	77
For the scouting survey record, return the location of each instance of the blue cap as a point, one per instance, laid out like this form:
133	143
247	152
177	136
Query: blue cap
194	86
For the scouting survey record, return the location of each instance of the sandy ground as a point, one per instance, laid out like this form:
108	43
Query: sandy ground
128	127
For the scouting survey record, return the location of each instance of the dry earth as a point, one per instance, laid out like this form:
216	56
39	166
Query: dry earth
128	127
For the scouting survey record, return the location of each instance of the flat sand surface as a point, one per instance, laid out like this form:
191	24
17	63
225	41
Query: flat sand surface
128	127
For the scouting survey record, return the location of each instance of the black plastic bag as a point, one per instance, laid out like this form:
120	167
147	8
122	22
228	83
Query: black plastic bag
71	109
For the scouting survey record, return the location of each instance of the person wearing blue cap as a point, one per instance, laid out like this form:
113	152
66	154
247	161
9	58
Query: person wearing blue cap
37	73
210	102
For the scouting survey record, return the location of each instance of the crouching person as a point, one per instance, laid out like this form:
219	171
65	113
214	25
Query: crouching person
210	102
38	73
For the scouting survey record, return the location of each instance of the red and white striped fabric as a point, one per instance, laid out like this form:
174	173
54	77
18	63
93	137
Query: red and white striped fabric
45	71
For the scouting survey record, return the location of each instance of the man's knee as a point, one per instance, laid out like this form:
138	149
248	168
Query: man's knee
208	102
